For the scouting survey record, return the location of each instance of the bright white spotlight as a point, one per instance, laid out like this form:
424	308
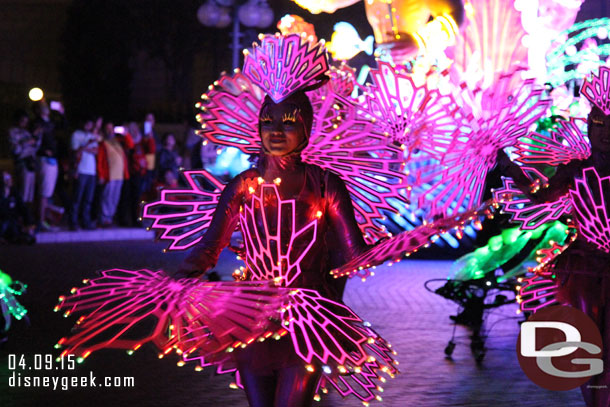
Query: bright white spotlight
36	94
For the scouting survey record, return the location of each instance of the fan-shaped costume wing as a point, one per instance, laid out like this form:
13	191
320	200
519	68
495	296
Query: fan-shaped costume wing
540	290
229	113
352	146
416	116
564	143
460	179
537	291
183	215
592	208
323	330
402	245
125	309
524	211
364	382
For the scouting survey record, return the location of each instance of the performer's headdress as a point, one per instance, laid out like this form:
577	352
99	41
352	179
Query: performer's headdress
285	67
281	66
597	90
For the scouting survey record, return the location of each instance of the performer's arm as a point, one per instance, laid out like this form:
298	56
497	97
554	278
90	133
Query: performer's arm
344	239
557	186
342	220
204	255
510	169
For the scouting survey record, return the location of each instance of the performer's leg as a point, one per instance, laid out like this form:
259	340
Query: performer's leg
260	389
296	386
598	394
590	295
603	380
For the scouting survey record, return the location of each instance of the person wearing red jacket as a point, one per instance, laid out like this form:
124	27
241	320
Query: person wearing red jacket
112	170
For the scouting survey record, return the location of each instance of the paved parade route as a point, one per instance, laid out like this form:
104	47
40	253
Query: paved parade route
414	320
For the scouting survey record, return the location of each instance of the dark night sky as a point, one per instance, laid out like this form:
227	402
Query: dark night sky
31	29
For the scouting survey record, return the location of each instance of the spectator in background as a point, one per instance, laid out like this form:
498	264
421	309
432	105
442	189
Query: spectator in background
48	160
24	146
168	160
203	155
148	129
97	127
135	147
191	140
149	146
84	145
63	187
112	170
138	167
16	225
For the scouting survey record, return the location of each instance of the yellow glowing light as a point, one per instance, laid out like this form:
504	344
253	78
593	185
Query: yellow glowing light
35	94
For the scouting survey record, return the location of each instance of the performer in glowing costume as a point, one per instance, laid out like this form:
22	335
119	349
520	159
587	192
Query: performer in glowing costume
273	370
297	222
581	186
303	210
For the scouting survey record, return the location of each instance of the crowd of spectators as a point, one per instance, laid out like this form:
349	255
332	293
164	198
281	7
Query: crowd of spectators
95	174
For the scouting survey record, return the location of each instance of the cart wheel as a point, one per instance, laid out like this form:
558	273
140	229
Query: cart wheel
449	348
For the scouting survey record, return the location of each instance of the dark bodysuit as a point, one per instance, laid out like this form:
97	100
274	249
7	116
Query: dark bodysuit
583	270
271	371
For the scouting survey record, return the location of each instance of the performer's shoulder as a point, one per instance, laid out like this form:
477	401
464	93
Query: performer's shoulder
246	175
249	173
329	177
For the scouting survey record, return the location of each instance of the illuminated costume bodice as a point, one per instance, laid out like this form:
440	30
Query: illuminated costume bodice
297	222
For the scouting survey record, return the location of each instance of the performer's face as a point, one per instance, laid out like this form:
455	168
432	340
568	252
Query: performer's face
282	129
599	130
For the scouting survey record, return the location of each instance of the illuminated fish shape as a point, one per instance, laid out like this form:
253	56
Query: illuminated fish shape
345	42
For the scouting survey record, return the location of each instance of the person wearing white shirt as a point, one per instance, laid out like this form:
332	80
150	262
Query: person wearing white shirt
84	145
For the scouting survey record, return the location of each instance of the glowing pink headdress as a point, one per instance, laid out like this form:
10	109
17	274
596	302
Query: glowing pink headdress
597	90
282	65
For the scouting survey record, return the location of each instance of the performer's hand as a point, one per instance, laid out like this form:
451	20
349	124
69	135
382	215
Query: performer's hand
503	161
